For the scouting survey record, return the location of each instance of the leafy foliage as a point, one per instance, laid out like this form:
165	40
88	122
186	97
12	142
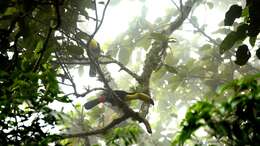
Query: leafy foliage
249	28
233	122
28	79
123	136
28	88
233	37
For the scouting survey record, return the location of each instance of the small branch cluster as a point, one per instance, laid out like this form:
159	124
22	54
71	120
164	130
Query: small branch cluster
152	61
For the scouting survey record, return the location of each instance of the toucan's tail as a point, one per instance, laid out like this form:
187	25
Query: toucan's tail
92	70
91	103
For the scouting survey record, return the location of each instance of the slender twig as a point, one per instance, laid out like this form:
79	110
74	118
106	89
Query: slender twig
96	14
64	84
123	67
98	131
57	10
195	25
112	60
66	72
175	4
84	62
42	51
16	53
203	33
93	18
89	91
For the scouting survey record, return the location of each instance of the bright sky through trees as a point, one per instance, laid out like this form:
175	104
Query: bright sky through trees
154	72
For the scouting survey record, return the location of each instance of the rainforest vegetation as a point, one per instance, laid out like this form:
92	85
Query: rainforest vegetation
129	72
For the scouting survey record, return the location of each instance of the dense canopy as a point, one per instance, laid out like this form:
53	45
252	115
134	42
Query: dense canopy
172	72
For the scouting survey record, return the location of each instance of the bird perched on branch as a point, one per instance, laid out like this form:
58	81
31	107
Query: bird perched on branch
123	95
95	53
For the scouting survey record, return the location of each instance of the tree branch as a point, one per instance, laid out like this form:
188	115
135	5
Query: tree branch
152	57
98	131
128	112
42	51
88	91
203	33
123	67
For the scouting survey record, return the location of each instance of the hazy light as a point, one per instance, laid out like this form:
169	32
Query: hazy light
201	132
181	112
117	19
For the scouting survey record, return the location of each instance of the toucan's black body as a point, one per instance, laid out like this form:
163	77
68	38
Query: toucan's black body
123	95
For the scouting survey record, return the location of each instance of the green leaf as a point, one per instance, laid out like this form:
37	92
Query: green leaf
252	41
222	88
194	20
234	12
245	12
170	69
10	11
124	55
222	31
64	99
39	46
82	35
175	82
144	42
210	5
3	74
242	55
233	37
228	42
159	74
75	50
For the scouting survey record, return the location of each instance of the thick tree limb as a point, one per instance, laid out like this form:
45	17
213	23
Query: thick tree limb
186	9
153	58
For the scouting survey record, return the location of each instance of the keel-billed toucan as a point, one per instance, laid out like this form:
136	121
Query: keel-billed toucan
95	53
123	95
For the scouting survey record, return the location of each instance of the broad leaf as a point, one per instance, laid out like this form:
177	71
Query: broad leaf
233	37
252	41
75	50
124	55
234	12
170	69
242	55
